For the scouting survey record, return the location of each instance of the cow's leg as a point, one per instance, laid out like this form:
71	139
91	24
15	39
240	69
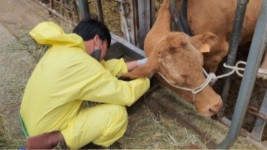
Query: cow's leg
263	66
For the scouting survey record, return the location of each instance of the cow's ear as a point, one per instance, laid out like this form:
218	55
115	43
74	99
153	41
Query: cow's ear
204	42
204	48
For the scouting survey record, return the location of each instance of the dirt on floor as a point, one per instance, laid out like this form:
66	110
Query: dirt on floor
151	125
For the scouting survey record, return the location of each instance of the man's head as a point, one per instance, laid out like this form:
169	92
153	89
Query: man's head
96	37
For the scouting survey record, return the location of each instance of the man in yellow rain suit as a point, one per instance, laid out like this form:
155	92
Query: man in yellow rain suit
73	71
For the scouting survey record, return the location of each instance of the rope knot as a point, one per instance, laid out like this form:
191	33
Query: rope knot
213	78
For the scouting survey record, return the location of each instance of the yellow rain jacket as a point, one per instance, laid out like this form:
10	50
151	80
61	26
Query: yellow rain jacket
65	77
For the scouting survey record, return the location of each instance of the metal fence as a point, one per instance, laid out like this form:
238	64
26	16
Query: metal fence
65	9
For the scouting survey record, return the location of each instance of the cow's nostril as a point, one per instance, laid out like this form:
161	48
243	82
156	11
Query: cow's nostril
215	108
213	111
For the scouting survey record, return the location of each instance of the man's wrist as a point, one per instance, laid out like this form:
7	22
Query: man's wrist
141	62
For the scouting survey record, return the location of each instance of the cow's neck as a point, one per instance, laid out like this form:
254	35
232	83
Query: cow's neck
160	28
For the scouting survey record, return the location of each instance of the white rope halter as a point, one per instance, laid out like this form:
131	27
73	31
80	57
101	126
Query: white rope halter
237	69
196	90
192	90
234	69
212	78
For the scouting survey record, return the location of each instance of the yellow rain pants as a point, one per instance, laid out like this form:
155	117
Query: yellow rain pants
64	78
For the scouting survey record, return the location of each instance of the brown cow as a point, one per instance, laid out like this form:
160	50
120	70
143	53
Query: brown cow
217	16
177	57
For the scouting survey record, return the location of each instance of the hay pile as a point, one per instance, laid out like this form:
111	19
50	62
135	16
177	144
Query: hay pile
152	126
110	13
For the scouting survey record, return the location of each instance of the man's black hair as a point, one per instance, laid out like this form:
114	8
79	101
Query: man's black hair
89	27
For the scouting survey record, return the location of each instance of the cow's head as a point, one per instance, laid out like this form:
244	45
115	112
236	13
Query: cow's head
178	58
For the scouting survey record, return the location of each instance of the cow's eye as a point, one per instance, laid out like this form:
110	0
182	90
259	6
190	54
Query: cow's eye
185	76
183	44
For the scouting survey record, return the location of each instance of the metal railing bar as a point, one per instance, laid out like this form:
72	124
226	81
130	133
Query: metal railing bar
175	16
84	8
254	58
100	10
54	12
234	42
128	45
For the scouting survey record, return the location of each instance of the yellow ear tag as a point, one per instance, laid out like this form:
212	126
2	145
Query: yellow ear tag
205	48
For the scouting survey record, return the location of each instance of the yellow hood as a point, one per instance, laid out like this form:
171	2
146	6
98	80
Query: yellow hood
51	34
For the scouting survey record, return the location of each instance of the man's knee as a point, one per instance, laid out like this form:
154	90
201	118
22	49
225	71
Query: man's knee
119	112
116	119
116	125
102	124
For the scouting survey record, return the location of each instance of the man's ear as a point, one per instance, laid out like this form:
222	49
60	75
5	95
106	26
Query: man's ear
96	40
204	42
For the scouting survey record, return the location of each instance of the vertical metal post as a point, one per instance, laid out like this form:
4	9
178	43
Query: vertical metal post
84	8
61	5
127	15
175	17
75	11
100	11
237	27
184	21
152	12
255	55
143	21
51	5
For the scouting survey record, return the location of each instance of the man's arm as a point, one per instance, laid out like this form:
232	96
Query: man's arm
136	63
118	66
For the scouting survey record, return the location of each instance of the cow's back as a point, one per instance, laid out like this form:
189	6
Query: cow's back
217	16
